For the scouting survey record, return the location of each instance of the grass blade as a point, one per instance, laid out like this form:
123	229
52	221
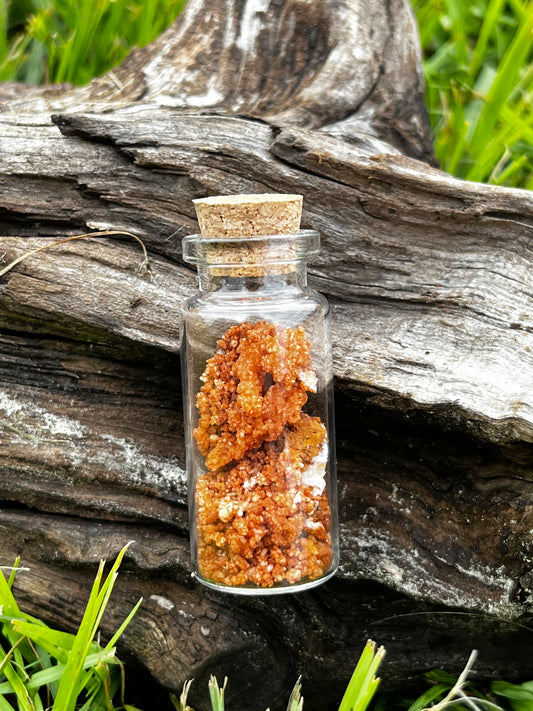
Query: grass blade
68	688
296	702
54	642
513	60
17	684
363	683
428	696
181	703
71	682
46	677
5	705
14	571
7	657
7	601
216	693
490	22
112	642
3	30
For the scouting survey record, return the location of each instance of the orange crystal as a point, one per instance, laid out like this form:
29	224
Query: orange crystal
262	514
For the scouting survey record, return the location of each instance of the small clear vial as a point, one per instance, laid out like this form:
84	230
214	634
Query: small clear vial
257	379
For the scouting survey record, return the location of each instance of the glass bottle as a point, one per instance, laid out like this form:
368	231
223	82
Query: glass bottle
257	379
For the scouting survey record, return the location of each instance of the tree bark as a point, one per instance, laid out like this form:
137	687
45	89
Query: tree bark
431	289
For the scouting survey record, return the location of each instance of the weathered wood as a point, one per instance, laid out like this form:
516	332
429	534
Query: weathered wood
431	287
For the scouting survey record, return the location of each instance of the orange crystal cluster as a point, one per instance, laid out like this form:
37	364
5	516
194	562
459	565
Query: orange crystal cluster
262	512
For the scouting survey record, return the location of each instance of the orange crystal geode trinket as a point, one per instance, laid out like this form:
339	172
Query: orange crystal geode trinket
258	387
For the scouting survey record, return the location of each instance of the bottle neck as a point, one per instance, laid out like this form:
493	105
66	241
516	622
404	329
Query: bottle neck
212	278
266	263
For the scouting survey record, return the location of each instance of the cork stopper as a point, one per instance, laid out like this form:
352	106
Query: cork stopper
237	217
246	215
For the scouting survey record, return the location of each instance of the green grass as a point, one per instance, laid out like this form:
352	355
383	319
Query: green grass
479	73
44	668
75	40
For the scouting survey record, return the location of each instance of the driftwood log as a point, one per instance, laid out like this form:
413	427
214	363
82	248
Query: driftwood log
431	285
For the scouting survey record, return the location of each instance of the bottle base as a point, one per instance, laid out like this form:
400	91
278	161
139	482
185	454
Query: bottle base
275	590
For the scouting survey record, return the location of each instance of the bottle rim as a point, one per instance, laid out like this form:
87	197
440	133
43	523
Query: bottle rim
257	250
